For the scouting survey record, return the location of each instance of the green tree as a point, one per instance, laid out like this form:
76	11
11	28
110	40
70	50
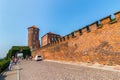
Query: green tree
18	49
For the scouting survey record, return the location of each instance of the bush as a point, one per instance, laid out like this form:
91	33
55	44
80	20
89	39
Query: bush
3	64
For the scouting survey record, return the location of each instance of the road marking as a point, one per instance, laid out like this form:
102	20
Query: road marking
18	73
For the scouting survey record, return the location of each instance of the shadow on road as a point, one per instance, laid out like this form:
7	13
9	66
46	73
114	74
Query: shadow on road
3	75
7	74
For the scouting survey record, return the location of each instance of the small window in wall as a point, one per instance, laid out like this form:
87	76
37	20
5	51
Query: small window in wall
35	32
33	42
34	37
31	31
55	39
52	39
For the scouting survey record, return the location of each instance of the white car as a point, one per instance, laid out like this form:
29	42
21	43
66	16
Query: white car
38	58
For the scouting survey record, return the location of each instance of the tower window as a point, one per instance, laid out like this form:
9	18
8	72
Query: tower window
33	42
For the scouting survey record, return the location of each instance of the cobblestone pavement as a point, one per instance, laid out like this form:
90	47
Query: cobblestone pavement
45	70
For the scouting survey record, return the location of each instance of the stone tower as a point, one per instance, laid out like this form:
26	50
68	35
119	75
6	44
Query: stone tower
33	38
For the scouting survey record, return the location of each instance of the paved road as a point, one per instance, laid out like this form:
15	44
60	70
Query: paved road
44	70
9	75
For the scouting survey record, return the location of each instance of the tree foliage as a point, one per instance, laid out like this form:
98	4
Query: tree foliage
19	49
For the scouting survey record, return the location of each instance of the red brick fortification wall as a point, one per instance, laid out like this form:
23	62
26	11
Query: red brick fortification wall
93	43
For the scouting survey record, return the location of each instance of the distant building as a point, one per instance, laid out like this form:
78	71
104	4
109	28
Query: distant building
33	38
48	38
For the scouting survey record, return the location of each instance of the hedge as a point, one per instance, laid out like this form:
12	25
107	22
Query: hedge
4	64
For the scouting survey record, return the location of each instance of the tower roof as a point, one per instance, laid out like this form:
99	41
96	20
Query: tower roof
49	33
33	27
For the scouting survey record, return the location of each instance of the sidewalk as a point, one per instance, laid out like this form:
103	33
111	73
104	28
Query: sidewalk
10	75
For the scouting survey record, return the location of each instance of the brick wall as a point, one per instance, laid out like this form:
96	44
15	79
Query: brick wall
45	40
93	43
48	38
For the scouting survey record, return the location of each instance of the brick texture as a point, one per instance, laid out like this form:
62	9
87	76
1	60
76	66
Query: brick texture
33	38
100	44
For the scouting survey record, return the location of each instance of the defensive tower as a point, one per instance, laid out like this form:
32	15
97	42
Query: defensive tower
33	38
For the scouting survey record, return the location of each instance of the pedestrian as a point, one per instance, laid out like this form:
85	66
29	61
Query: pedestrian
13	60
10	65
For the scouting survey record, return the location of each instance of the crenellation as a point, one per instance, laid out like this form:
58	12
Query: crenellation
99	25
114	20
99	45
84	30
93	26
73	35
105	20
117	15
77	33
68	37
80	31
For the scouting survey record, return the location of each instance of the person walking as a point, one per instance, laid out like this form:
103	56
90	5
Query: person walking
12	61
10	65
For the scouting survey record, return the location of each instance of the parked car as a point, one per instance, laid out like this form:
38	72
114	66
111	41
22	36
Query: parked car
38	58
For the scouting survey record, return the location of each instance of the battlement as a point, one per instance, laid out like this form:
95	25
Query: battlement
94	26
117	15
96	42
105	20
89	28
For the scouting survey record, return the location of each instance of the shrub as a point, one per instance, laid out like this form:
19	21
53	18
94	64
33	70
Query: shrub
3	64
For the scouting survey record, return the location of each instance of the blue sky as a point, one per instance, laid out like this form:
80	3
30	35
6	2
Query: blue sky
58	16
